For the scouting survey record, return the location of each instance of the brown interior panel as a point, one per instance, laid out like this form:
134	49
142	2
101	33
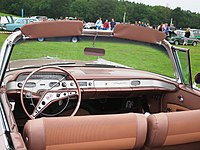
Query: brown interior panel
174	108
183	99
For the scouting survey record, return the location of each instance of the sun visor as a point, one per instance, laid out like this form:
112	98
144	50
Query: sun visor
52	29
138	33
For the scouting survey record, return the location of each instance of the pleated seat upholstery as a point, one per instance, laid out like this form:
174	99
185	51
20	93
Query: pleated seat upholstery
174	131
97	132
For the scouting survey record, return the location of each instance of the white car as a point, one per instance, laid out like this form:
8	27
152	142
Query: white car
90	25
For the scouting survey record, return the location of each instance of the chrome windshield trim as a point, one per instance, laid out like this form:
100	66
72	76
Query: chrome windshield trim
177	59
170	50
6	51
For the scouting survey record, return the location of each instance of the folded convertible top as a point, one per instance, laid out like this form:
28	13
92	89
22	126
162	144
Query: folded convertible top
53	29
137	33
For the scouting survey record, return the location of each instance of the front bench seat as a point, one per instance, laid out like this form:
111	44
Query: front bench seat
174	131
102	132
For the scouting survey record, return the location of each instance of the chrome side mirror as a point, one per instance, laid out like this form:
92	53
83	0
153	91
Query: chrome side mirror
197	78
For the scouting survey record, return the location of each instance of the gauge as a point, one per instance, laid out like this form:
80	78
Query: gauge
30	84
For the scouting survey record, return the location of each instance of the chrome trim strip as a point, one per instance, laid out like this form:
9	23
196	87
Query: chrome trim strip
87	84
141	83
3	119
6	141
45	85
4	125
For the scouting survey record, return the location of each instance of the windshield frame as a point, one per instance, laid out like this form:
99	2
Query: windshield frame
124	34
178	60
6	51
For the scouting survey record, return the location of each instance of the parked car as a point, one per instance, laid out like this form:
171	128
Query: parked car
5	19
198	37
196	33
110	91
90	25
179	39
18	24
40	18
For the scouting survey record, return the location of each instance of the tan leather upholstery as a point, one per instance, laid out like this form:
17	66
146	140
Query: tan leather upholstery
102	132
170	130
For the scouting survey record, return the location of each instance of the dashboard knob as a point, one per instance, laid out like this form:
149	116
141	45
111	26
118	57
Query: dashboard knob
90	83
19	85
64	84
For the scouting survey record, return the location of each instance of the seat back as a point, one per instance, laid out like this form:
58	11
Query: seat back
175	130
102	132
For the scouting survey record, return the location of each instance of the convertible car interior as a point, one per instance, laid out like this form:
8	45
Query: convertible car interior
98	104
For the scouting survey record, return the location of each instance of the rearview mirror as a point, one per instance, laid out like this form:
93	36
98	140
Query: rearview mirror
94	51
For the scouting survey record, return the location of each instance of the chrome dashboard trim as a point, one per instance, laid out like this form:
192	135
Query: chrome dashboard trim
97	84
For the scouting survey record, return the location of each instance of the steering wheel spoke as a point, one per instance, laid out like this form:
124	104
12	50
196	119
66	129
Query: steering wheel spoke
51	97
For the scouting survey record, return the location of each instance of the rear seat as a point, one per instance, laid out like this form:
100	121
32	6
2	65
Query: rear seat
174	131
102	132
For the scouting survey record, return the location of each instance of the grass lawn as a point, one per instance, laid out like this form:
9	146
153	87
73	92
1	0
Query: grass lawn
195	58
159	62
2	38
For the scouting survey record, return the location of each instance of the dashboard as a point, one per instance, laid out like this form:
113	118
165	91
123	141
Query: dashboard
102	90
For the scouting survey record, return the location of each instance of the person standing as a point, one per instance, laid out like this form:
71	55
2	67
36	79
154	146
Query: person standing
186	37
160	27
106	25
136	23
99	24
112	24
172	27
166	29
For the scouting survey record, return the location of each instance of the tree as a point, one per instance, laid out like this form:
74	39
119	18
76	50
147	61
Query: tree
90	10
177	16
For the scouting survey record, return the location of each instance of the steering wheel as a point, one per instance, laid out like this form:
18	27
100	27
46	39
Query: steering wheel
53	94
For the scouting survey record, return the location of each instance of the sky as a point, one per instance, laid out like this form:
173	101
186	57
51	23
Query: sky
192	5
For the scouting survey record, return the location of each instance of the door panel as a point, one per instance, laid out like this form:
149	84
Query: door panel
184	99
9	135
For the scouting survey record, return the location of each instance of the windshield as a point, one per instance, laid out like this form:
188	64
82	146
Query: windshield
24	21
149	57
19	20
